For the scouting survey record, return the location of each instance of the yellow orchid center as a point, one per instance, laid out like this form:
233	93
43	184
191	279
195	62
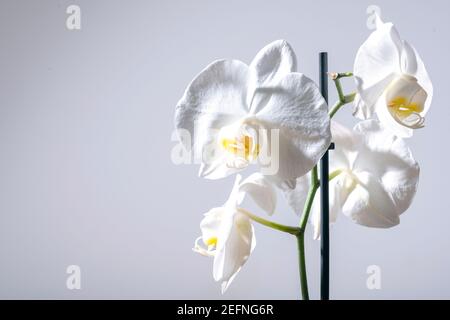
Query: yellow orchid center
243	146
403	108
211	241
405	100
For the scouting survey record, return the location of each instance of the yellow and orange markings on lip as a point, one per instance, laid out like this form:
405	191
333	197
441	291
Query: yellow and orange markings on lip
403	108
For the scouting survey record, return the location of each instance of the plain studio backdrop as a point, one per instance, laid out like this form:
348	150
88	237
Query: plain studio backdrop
86	177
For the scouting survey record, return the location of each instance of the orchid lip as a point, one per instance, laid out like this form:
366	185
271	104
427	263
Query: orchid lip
406	113
208	251
405	100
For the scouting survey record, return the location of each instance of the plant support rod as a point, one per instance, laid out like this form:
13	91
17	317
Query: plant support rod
324	195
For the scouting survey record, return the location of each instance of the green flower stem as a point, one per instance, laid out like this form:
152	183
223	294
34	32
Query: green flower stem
302	265
314	185
334	174
280	227
341	75
347	99
339	90
343	99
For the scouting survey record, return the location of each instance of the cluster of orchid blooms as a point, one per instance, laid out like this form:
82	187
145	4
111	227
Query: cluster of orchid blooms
235	113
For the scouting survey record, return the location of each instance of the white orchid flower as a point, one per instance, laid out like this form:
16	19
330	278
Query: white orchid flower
247	104
227	233
391	81
373	175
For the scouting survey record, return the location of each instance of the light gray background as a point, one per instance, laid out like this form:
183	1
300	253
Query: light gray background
86	119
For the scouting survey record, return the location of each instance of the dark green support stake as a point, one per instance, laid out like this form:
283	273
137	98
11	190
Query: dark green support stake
324	194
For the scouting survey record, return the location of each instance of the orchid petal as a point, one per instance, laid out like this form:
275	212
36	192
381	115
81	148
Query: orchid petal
346	146
215	98
211	224
273	62
376	64
370	205
342	157
234	252
270	64
388	157
360	110
412	65
228	234
377	183
260	189
335	200
296	197
296	108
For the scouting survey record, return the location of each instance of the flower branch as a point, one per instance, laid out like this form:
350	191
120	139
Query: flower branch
274	225
343	99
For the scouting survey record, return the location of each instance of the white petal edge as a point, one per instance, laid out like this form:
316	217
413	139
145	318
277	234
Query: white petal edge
260	189
270	64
